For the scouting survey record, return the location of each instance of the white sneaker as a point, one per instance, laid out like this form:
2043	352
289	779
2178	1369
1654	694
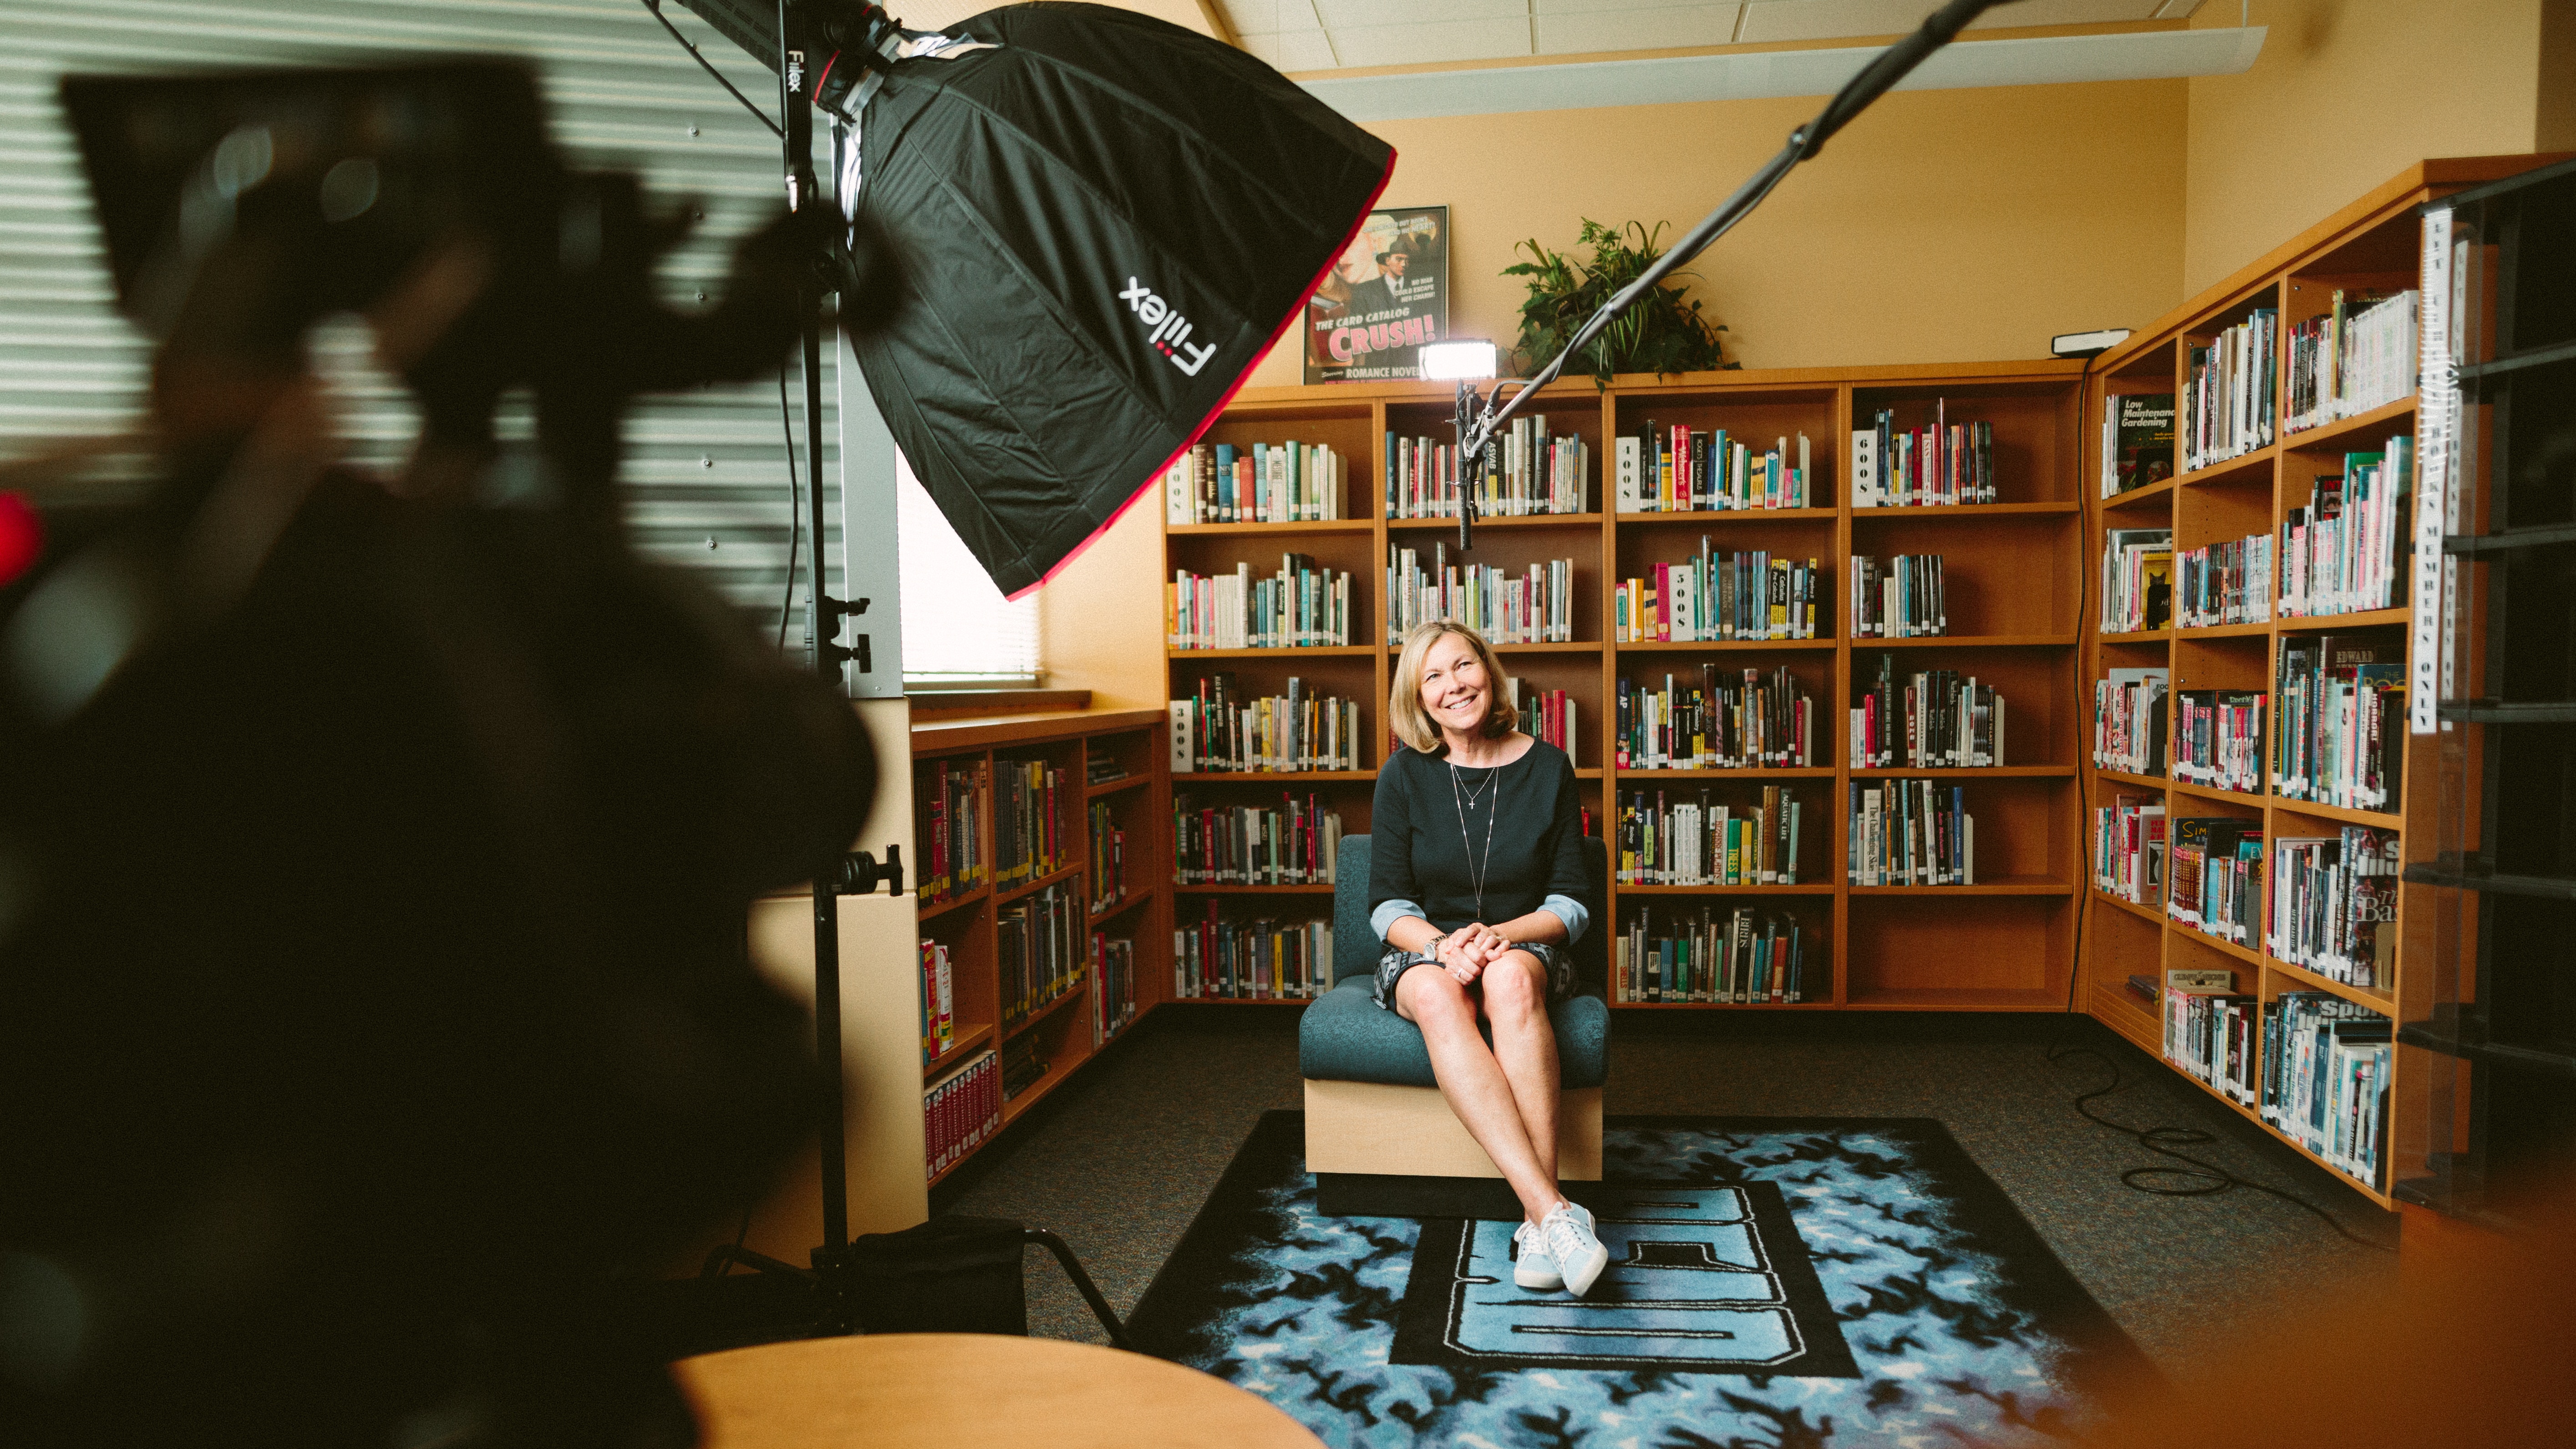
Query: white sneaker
1532	1268
1567	1234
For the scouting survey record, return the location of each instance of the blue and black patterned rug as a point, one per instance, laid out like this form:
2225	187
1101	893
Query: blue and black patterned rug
1774	1283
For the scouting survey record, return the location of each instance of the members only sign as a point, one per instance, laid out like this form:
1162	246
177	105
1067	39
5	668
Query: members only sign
1385	297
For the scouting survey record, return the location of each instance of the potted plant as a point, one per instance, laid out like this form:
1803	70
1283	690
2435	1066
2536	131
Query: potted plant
1662	333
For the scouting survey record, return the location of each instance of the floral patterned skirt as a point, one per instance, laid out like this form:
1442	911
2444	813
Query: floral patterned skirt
1558	961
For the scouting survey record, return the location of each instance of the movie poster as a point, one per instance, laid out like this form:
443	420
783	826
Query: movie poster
1388	295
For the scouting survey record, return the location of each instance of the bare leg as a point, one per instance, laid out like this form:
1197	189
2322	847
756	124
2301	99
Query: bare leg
1515	1001
1474	1083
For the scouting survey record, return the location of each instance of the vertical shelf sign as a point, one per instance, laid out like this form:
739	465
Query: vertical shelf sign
2436	416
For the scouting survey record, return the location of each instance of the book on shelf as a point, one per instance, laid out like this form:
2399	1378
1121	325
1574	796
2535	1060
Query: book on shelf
1530	472
2137	440
1039	941
2142	985
1027	840
1550	715
2129	848
960	1111
2334	905
2216	887
1723	719
1219	729
2137	579
1099	770
2325	1080
1909	833
1255	960
2224	583
1903	598
1942	464
938	1001
1725	957
1930	719
1305	605
1533	607
2342	736
1682	469
2211	1033
2218	739
2360	353
2227	411
1022	1066
1283	482
2129	721
1113	1005
1717	597
953	807
2340	551
1294	843
1108	858
1703	842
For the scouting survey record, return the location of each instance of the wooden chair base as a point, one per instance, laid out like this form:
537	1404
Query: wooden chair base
1379	1151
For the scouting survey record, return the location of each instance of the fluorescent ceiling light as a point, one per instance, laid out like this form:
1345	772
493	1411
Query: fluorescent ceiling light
1450	361
2057	60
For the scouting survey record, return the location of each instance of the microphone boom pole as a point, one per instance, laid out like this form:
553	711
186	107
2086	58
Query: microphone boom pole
1476	427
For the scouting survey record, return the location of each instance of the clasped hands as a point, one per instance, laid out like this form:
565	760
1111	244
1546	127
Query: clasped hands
1466	952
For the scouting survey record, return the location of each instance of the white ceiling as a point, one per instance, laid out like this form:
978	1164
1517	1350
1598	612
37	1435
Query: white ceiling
1318	35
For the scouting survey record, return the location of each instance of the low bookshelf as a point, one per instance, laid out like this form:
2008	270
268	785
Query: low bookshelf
2011	581
2263	484
1039	842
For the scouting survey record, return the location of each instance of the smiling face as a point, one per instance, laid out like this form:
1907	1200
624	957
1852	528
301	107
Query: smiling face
1455	692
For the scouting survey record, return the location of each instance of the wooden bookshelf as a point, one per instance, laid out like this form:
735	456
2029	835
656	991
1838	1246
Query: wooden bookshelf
1067	1028
2373	243
2013	569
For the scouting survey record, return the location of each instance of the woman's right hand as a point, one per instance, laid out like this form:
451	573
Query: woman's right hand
1459	956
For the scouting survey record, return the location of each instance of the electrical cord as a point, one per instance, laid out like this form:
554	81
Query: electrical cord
2199	1179
708	66
795	508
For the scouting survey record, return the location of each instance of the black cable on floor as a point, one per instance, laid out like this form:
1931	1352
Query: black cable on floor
2207	1178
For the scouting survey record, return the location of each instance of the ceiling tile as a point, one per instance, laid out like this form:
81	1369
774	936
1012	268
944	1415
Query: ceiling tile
1545	8
1636	29
1306	50
2063	12
1438	41
1250	17
1340	15
1770	20
1263	48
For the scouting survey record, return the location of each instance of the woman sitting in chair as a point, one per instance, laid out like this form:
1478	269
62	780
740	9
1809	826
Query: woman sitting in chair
1476	880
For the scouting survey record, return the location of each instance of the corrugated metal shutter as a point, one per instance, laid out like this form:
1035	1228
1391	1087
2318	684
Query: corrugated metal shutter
706	472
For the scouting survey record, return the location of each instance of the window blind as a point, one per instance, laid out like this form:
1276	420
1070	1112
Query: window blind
957	627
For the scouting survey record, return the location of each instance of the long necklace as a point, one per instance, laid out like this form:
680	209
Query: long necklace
1462	799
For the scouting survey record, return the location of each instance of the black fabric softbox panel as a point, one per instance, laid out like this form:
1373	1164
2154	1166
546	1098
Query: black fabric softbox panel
1102	224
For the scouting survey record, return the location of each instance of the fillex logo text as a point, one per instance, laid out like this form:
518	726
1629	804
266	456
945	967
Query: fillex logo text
1171	332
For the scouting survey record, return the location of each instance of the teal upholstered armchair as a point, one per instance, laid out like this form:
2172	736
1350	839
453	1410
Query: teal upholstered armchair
1379	1138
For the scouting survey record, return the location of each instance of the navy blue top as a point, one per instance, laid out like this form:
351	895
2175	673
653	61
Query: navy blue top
1419	851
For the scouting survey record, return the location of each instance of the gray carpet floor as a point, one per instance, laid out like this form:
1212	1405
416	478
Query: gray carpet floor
1119	1159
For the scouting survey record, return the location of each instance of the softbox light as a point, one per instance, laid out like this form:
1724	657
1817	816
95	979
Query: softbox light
1102	221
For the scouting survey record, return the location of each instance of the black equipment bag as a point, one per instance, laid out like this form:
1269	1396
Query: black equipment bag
948	1275
1104	221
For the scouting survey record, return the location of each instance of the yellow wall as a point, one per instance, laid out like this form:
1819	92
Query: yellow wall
1101	620
1943	226
2346	94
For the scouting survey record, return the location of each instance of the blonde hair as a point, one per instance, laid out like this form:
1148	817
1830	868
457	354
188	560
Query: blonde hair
1404	700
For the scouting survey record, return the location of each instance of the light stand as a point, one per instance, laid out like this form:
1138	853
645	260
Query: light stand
1478	424
837	1266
